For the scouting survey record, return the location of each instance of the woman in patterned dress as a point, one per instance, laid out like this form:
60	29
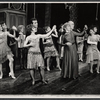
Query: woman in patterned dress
49	48
92	50
5	52
35	59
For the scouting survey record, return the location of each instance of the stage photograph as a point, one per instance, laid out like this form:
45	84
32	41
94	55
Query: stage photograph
49	48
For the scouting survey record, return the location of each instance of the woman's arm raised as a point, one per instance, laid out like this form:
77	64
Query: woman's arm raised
82	33
10	35
56	33
49	33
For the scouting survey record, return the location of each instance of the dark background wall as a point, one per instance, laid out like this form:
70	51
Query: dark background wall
59	15
87	14
39	13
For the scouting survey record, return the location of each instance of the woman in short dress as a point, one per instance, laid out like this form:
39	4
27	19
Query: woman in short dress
5	52
92	50
49	48
70	57
35	59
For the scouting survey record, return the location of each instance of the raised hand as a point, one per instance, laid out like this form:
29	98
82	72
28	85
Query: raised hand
14	28
85	27
54	27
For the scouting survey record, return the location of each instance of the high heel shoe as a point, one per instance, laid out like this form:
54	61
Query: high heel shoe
12	76
48	69
91	71
1	77
45	82
58	67
97	71
33	83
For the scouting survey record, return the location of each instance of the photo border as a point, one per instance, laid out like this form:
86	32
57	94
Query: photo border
49	97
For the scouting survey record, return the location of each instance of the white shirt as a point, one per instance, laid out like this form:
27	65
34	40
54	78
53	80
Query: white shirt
21	40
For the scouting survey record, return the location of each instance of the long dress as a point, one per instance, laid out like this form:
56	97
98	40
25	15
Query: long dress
4	48
34	58
92	50
49	48
70	56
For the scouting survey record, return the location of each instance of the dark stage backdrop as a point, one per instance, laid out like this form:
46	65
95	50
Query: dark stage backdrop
87	14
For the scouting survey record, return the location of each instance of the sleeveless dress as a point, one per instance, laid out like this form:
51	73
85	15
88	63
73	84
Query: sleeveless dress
35	58
49	48
4	48
92	50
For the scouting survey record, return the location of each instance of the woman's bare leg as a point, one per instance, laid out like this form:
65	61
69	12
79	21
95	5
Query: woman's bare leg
11	66
58	62
1	73
48	63
42	74
98	65
91	67
32	73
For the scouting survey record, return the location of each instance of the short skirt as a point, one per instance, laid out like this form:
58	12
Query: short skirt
35	60
92	53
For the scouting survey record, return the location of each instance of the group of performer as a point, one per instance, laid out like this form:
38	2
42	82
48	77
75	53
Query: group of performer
41	47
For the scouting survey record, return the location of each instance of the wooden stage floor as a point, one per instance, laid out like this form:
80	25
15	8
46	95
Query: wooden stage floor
86	84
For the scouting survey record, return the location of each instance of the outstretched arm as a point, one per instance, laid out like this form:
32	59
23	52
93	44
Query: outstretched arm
46	35
10	35
82	33
56	33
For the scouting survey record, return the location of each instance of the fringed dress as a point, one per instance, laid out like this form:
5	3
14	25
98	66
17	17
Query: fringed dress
49	48
35	58
4	48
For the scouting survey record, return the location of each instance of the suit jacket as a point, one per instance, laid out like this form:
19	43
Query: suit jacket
12	41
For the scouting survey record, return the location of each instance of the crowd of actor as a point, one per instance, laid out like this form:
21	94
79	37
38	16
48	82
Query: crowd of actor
36	46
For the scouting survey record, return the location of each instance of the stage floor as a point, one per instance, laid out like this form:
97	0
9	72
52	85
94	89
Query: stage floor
86	84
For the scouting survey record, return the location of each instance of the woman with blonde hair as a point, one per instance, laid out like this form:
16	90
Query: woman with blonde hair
70	58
